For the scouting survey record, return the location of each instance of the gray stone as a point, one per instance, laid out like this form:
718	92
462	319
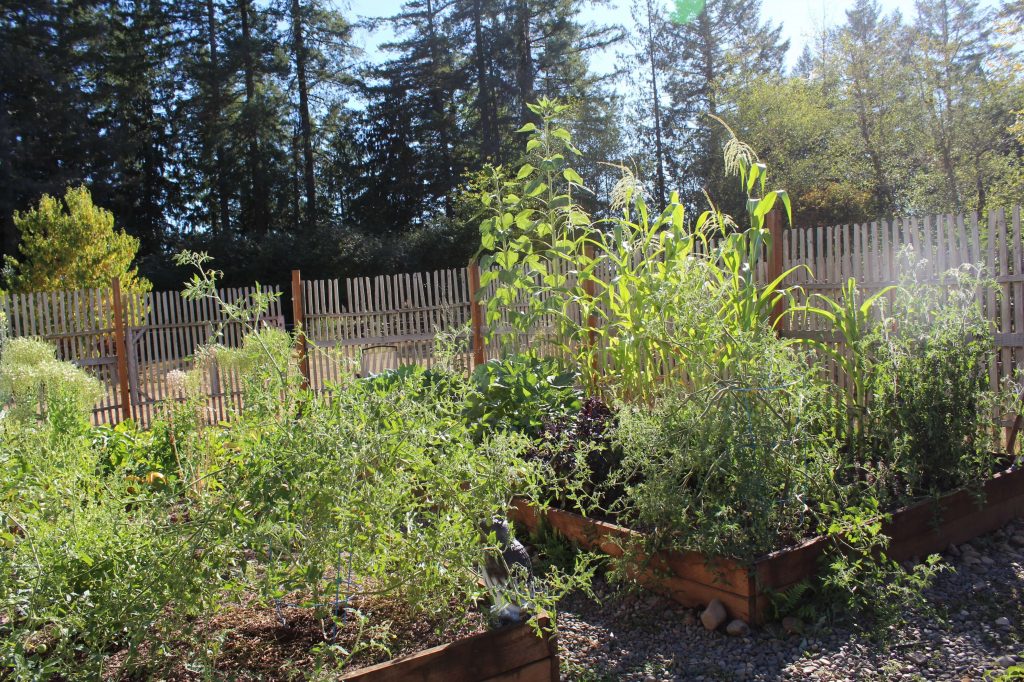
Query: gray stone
737	628
918	657
714	615
1003	622
1005	661
1018	539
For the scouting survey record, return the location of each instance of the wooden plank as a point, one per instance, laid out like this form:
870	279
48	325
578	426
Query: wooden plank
538	671
471	659
121	349
477	315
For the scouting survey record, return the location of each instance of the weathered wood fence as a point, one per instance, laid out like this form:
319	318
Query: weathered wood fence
131	341
871	253
367	324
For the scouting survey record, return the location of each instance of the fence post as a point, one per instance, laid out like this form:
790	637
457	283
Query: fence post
773	221
121	350
476	317
299	318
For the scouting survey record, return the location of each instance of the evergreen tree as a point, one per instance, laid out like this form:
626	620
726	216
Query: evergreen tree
870	64
963	104
723	44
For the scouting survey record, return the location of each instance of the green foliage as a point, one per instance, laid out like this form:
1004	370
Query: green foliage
856	581
733	444
851	320
521	393
730	469
919	406
117	540
930	418
37	385
72	245
650	313
101	555
265	361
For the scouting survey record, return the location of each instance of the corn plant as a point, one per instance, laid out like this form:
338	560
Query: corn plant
636	299
851	320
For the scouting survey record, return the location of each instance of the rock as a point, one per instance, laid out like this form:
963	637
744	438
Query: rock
792	625
1003	622
1005	661
714	615
970	559
737	628
953	550
919	657
689	619
988	561
1018	540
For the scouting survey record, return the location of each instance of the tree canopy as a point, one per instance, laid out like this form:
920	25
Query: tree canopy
258	132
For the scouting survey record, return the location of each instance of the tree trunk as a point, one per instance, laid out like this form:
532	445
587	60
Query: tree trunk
441	111
485	96
658	149
216	111
305	127
524	60
259	210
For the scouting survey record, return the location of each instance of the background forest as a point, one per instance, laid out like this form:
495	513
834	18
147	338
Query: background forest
255	130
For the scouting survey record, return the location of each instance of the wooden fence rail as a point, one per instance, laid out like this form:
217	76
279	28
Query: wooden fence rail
132	341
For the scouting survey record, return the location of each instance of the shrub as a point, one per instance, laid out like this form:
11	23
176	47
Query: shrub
734	467
72	244
521	393
39	386
931	415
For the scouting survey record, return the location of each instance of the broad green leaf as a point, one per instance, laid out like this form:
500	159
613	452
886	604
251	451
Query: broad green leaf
525	171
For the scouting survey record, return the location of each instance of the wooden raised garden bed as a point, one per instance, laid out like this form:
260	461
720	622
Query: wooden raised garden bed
693	579
511	654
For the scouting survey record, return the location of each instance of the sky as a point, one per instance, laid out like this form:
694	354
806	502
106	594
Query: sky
800	19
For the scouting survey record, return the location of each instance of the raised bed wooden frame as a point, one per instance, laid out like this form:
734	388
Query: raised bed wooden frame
513	654
693	579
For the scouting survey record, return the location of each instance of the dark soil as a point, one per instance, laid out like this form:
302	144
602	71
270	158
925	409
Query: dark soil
250	642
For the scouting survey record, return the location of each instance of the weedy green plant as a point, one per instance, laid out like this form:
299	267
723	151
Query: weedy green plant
35	385
853	321
731	469
931	415
919	406
374	491
857	581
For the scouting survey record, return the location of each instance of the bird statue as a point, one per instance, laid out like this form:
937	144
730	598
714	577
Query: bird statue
507	573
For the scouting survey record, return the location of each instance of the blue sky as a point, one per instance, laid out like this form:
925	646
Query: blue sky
800	19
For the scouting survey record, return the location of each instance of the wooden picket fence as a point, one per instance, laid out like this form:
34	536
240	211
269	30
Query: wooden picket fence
131	341
368	324
878	254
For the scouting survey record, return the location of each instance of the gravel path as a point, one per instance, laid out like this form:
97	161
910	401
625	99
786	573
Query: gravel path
977	626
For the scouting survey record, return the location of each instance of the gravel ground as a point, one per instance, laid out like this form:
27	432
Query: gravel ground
976	628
